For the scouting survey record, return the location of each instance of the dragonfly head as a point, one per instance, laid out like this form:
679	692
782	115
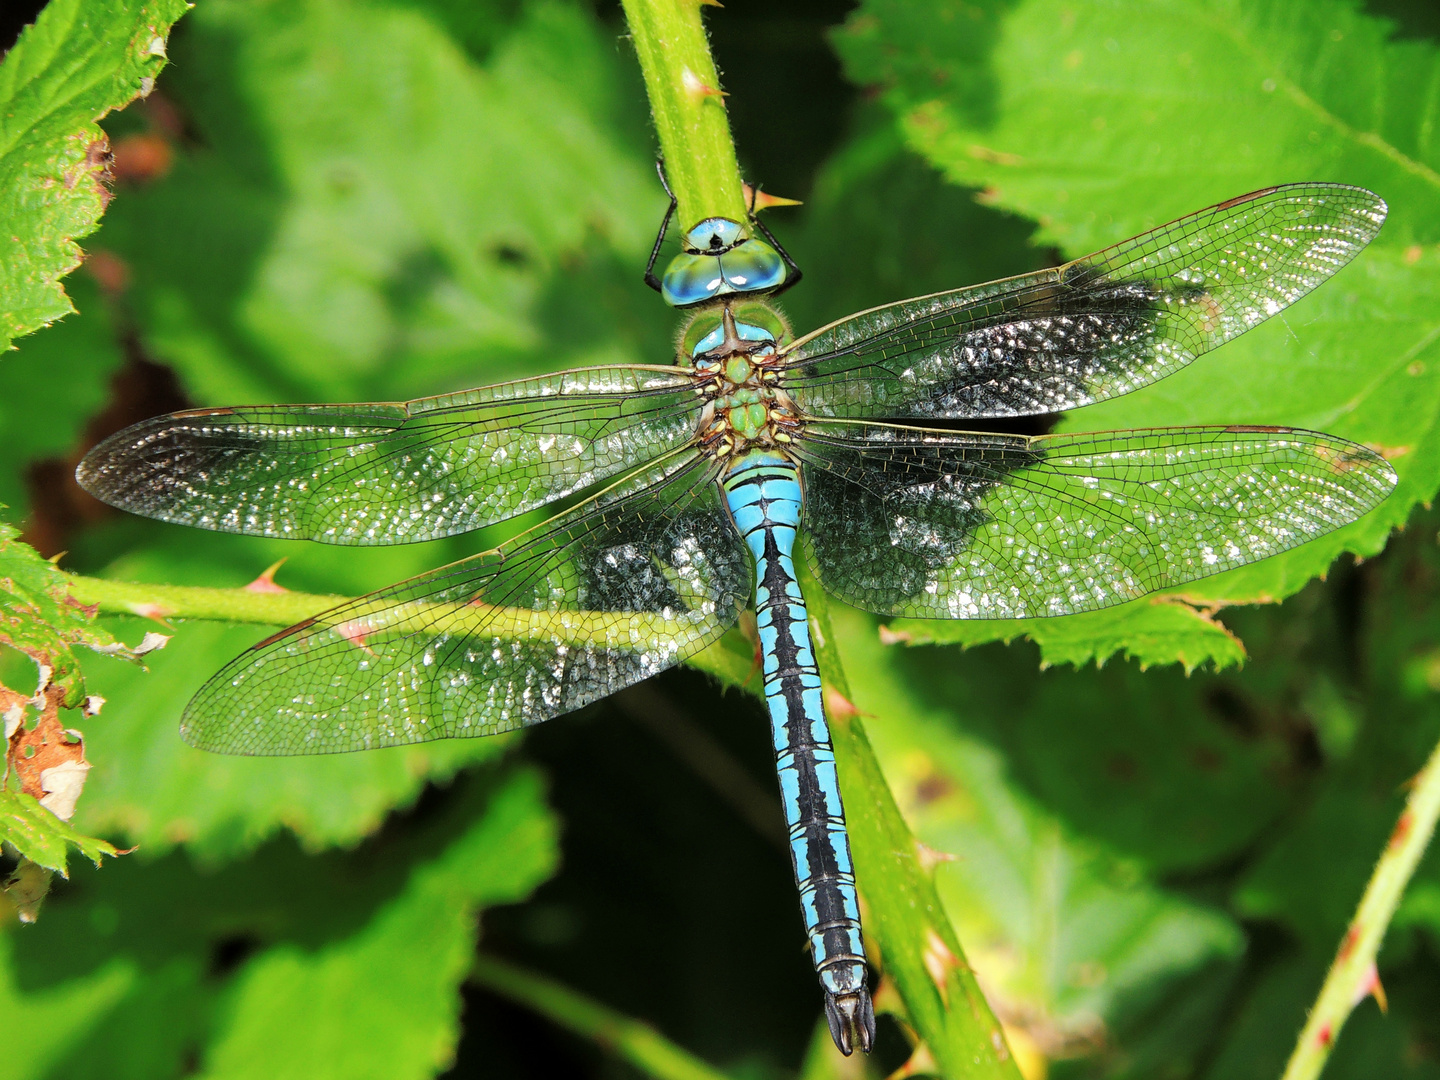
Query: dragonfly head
714	236
719	258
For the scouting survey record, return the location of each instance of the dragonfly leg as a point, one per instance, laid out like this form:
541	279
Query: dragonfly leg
794	273
650	278
763	493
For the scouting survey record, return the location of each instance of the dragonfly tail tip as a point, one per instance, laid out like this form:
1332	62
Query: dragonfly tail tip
852	1020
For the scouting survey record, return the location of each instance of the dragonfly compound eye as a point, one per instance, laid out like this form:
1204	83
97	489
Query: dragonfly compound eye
714	236
719	259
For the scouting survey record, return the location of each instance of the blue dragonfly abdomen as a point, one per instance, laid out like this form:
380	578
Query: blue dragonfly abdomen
763	494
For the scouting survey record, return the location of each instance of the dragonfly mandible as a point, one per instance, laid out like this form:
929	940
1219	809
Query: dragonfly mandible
695	479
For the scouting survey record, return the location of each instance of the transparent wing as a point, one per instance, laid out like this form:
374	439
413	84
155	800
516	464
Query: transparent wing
943	525
1094	328
393	473
605	595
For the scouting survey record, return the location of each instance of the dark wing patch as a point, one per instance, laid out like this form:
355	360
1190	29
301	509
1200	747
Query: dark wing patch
944	525
1092	329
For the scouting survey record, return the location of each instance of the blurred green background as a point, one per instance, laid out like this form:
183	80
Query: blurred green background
332	200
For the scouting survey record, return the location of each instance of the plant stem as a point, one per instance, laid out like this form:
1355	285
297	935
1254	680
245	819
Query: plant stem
1353	976
634	1041
904	913
162	602
688	108
728	659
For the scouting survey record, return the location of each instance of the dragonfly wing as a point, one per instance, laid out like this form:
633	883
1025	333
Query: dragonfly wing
393	473
1092	329
604	595
945	525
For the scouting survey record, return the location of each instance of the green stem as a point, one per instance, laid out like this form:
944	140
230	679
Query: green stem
689	112
904	915
1352	975
634	1041
728	659
162	602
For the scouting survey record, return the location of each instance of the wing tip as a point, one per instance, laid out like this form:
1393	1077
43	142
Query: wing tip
106	462
1357	199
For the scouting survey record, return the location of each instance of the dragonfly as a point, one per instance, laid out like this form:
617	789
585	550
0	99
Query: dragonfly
682	494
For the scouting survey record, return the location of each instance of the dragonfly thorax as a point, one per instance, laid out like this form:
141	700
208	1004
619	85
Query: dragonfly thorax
736	368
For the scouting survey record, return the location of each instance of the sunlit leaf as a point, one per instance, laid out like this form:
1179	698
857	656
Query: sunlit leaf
40	618
395	236
1102	121
40	836
79	60
156	791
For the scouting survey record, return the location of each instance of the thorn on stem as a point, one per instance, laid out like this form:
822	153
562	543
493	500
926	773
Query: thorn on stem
762	200
265	583
1402	830
158	612
838	706
1347	943
929	858
939	962
1369	986
697	88
893	637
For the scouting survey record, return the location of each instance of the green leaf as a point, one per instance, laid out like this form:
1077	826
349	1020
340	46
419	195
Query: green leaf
1112	751
76	62
317	961
39	617
383	1002
1169	631
158	792
397	235
55	1017
40	836
1312	876
854	255
1104	121
1062	931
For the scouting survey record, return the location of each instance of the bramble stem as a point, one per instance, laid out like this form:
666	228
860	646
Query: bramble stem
904	914
632	1040
162	602
688	108
728	660
1352	976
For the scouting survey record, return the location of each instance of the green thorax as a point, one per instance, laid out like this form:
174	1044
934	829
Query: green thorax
735	354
